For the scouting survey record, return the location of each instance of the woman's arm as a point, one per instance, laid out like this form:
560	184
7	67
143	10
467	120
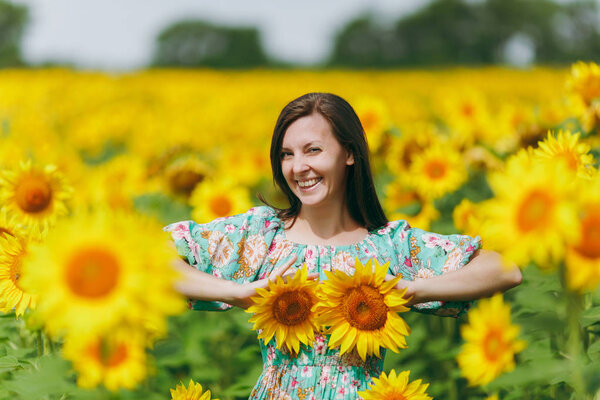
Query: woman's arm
481	277
199	285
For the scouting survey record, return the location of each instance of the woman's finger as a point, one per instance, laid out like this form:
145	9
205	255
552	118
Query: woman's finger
281	270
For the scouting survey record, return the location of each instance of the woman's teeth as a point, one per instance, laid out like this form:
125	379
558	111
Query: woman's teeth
308	183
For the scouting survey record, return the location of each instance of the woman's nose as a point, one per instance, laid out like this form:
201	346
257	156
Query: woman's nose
299	165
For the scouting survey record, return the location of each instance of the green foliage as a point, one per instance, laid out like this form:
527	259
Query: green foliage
162	207
451	32
13	19
201	44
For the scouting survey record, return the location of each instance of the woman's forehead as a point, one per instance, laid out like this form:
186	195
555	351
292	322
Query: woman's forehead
312	128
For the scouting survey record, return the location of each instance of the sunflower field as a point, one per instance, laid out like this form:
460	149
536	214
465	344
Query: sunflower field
93	165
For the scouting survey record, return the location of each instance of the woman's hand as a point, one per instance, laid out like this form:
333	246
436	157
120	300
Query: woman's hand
244	291
199	285
404	284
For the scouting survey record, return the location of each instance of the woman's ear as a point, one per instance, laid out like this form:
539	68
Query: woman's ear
349	158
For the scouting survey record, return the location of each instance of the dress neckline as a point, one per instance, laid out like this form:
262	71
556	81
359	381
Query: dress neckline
297	244
338	246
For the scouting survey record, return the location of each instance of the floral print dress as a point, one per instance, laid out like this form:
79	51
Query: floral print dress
248	246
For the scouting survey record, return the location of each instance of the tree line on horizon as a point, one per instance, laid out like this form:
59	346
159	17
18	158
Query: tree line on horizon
442	33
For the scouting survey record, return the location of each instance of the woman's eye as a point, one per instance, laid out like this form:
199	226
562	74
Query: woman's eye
285	154
314	149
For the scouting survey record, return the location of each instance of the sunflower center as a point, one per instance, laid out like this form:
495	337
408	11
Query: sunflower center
259	161
493	345
369	119
115	356
411	149
517	119
394	396
92	272
364	308
292	307
33	194
221	205
534	210
108	354
185	181
435	169
589	245
467	110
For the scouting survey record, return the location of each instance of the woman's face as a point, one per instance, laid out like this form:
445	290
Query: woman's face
313	162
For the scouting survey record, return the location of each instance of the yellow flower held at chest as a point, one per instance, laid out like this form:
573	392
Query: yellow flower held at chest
361	310
285	310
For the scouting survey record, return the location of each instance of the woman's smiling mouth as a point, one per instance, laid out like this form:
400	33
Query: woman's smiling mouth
309	183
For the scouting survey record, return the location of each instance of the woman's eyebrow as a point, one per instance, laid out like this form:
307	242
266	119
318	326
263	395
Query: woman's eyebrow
313	143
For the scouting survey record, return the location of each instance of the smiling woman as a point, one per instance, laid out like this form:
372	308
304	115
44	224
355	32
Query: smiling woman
320	160
313	162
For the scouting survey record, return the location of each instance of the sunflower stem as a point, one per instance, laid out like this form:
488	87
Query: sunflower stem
453	395
50	344
575	303
40	343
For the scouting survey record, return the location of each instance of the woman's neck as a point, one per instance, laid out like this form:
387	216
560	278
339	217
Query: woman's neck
327	225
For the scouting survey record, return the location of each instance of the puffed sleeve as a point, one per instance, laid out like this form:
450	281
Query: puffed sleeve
232	248
422	255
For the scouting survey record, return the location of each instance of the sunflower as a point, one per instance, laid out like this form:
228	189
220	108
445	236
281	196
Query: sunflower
192	392
511	122
583	258
253	164
374	117
99	188
415	139
117	360
437	171
533	216
218	197
481	158
13	149
361	310
402	202
491	342
36	196
584	81
395	387
12	296
466	217
566	147
184	174
466	114
95	271
285	310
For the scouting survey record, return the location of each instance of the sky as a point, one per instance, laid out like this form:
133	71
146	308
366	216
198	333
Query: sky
120	34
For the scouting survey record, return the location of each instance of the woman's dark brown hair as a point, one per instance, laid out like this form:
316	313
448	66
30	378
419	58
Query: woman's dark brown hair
361	198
